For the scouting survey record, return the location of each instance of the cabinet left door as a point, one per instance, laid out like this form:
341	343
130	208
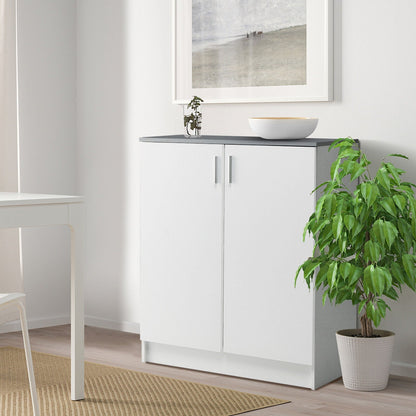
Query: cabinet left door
181	217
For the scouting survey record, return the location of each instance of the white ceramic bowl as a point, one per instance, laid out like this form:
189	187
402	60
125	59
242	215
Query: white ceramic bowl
283	128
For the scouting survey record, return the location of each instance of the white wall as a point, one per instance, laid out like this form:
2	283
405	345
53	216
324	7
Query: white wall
124	91
47	56
375	90
106	112
10	276
79	80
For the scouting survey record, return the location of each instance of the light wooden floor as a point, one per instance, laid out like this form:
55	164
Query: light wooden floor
123	350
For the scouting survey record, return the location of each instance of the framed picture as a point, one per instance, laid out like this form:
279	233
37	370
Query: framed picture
238	51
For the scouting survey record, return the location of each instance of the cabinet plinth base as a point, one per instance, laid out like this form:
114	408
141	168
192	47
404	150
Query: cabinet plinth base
230	364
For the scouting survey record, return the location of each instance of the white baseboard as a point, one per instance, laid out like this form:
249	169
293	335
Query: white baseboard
403	369
35	323
124	326
231	364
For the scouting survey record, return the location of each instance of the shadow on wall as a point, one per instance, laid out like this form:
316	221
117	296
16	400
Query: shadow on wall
377	149
105	159
405	345
337	50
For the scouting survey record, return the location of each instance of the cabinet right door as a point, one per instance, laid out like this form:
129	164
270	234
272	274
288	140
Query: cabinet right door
267	204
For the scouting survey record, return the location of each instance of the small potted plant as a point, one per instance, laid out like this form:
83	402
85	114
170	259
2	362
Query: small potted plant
365	251
193	120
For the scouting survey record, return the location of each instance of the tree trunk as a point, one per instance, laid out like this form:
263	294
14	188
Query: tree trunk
366	326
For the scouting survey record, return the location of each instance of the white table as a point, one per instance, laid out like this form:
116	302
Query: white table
35	210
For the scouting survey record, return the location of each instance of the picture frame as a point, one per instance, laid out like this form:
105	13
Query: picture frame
318	85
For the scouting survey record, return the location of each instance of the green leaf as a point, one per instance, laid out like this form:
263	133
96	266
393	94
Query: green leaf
332	274
322	225
370	192
406	188
410	269
397	272
364	160
362	304
309	267
406	233
319	206
337	226
414	227
349	153
306	229
409	184
399	155
349	221
400	202
335	169
320	186
355	296
372	251
355	276
388	205
368	280
345	269
297	273
394	173
348	166
342	296
342	202
382	306
358	226
376	317
324	296
390	232
378	231
342	243
392	294
347	142
370	311
377	281
357	171
330	204
412	205
321	276
383	178
325	237
387	277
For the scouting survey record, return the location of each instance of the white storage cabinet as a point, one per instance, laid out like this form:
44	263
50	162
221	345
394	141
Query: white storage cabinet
222	220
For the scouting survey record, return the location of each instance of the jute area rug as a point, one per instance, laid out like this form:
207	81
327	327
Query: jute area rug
112	391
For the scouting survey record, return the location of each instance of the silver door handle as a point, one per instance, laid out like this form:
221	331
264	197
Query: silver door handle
230	169
215	169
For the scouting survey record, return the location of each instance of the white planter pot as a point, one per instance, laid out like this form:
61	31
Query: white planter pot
365	362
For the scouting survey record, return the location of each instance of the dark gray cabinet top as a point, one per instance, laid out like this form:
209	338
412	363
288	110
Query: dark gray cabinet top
247	140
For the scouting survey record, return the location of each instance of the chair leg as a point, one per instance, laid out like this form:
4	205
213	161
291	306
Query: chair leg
29	362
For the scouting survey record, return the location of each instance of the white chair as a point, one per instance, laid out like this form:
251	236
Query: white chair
9	299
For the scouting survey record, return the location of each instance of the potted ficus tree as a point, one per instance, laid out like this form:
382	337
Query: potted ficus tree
365	251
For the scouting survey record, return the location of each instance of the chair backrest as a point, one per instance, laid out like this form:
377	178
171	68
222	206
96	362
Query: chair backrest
6	298
8	310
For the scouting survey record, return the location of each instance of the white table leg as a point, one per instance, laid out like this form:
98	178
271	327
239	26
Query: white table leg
76	223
